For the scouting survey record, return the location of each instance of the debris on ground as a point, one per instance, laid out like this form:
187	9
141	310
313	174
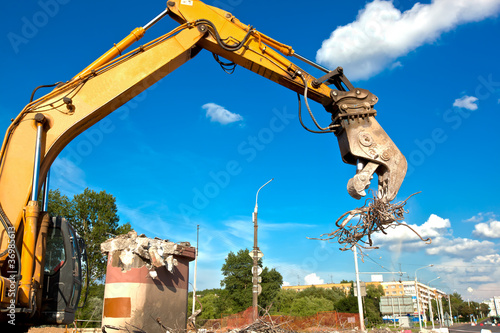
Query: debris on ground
375	215
261	326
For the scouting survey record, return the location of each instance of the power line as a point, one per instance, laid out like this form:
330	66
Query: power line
439	265
373	260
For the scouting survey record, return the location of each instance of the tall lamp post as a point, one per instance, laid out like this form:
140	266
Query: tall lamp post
432	315
255	272
416	293
195	266
358	289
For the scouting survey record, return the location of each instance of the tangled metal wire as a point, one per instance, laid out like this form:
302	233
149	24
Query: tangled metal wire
375	215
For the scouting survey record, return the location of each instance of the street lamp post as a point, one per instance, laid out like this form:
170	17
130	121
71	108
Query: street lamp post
432	315
449	304
358	289
416	293
255	273
470	290
195	267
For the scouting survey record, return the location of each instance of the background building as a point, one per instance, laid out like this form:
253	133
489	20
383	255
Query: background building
417	290
494	304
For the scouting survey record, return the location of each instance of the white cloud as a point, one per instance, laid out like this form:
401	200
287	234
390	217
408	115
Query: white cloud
481	217
466	102
286	284
435	226
487	230
489	259
478	273
67	177
460	247
382	33
284	226
396	64
313	279
242	229
219	114
402	239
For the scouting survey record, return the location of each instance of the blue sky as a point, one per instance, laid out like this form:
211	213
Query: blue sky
194	149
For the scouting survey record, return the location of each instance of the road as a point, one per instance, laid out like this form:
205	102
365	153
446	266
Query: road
467	328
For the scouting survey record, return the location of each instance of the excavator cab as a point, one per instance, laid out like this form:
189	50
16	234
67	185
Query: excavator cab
65	256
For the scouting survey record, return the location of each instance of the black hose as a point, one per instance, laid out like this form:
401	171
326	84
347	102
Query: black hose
43	86
225	46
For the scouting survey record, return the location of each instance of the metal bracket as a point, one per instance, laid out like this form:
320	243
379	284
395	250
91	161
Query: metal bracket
335	77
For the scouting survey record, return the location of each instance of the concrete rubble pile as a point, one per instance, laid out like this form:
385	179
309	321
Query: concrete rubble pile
134	251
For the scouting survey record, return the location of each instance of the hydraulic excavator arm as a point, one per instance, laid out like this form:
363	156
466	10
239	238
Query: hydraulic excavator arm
45	126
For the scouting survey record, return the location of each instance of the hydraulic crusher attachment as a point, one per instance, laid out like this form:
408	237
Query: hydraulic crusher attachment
362	140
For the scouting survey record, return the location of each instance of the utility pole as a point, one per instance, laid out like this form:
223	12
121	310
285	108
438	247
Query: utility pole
416	293
430	300
358	287
195	266
432	314
449	304
441	308
255	267
439	313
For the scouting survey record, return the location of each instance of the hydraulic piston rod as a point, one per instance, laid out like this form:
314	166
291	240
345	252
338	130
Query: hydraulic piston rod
32	211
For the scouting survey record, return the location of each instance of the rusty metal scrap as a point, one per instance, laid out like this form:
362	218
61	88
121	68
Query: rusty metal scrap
356	226
132	250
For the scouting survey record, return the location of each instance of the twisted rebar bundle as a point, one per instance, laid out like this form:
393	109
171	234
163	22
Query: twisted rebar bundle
356	226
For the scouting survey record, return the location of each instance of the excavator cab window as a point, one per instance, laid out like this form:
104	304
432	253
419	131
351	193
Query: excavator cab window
63	276
55	255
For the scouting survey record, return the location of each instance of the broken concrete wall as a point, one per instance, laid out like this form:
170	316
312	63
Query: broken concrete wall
146	283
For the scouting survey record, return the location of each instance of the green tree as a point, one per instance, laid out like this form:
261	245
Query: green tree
347	304
283	301
308	306
237	281
94	217
484	309
214	303
271	285
332	295
372	304
465	311
60	205
455	300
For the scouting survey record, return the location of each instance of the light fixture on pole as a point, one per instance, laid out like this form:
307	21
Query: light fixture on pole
256	254
416	293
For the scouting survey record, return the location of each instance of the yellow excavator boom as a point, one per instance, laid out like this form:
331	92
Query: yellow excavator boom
45	126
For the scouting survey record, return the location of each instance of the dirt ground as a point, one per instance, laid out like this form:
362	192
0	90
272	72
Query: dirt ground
47	330
98	330
62	330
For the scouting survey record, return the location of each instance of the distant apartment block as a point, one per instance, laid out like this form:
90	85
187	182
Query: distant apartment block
395	288
494	304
